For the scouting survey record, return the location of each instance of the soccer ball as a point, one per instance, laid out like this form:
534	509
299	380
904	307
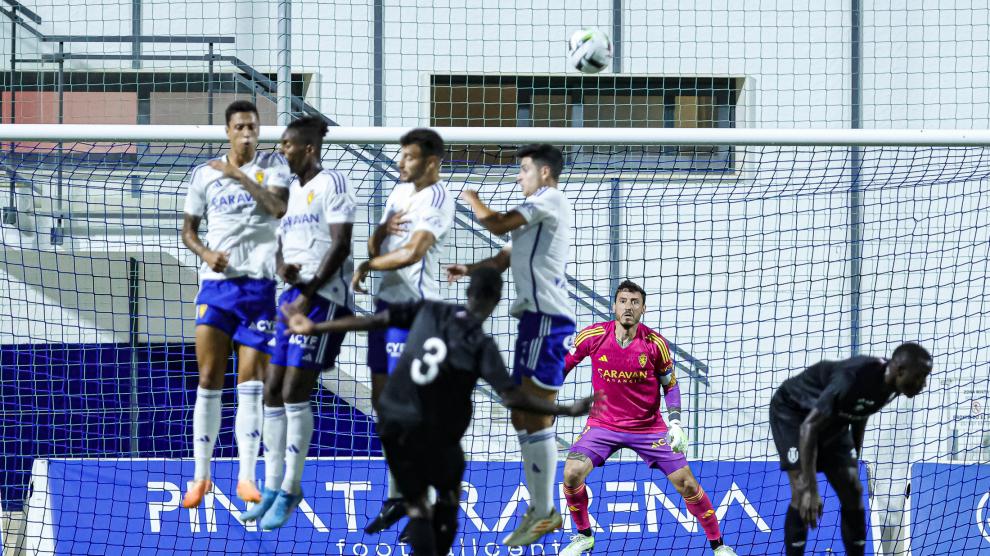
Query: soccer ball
590	50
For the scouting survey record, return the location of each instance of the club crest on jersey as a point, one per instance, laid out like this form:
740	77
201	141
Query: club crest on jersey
642	359
309	198
259	176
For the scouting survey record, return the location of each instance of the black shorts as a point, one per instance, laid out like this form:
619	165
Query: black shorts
418	461
836	450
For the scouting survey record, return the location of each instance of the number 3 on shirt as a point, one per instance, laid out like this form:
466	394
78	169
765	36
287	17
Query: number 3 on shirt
436	352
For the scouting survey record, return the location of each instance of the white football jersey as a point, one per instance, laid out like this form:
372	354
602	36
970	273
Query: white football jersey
431	209
235	222
540	253
305	230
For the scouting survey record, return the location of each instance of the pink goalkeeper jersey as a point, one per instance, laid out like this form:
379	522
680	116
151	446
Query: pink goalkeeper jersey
630	377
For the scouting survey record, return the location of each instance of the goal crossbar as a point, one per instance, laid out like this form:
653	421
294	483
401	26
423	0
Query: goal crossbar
518	135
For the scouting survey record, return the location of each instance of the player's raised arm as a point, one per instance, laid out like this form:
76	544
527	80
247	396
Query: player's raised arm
299	323
500	262
400	314
515	398
492	369
493	221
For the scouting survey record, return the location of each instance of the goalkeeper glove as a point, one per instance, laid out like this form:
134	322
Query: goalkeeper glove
677	439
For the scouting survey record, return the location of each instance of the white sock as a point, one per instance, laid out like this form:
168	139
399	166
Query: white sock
206	427
298	433
273	432
527	459
543	464
247	427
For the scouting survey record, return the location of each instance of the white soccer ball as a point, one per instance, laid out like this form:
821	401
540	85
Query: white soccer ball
590	50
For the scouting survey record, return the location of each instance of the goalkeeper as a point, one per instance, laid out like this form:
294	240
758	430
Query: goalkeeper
631	364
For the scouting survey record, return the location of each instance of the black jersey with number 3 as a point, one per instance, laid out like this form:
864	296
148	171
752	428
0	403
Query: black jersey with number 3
848	390
446	352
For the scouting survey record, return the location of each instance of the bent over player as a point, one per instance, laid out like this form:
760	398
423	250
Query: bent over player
631	364
818	419
426	407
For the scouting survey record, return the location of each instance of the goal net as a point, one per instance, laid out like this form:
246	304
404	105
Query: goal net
761	251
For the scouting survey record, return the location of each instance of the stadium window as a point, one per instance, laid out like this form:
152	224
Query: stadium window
467	104
129	98
581	101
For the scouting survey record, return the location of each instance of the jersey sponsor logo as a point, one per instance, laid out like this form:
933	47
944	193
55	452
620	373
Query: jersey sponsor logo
291	220
603	359
394	349
263	325
234	201
642	359
792	454
623	376
305	342
659	442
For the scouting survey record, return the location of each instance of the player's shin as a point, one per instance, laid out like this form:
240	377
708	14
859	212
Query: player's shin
298	434
420	532
526	453
577	504
444	526
247	427
854	530
542	447
273	433
795	532
206	426
701	508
